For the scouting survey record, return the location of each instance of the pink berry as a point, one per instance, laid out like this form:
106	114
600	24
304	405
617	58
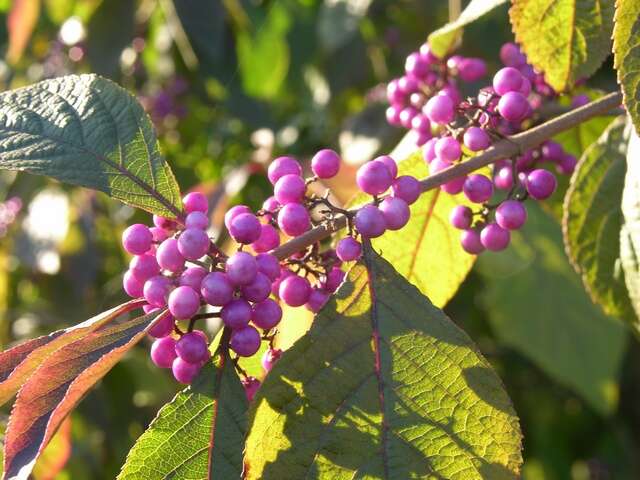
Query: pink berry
193	243
233	212
511	215
257	290
195	202
374	178
169	256
295	291
317	299
282	166
289	189
370	221
245	228
269	358
162	326
245	341
407	188
269	265
390	164
461	217
325	164
293	219
268	239
478	188
159	234
511	55
251	386
513	106
470	241
164	223
266	314
136	239
157	290
192	277
395	212
184	372
506	80
163	352
334	279
192	347
440	109
132	286
241	268
421	123
472	69
216	289
494	237
503	178
184	302
143	267
476	139
455	186
348	249
197	220
541	184
429	150
270	205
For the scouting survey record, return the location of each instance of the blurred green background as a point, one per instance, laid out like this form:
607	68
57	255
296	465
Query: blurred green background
230	84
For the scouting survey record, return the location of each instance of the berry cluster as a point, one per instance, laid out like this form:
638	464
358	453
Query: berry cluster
9	210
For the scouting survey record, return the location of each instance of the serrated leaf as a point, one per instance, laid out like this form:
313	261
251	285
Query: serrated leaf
427	250
57	386
593	219
626	55
56	455
88	131
19	362
566	39
445	39
383	385
630	234
537	305
198	435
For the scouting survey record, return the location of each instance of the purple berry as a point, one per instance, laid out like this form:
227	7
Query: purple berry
513	106
289	189
157	290
197	220
245	228
461	217
567	164
421	123
580	101
438	165
370	221
143	267
478	188
511	214
429	150
195	202
416	65
216	289
159	234
325	164
407	188
241	268
269	358
454	187
440	109
334	279
169	256
251	386
236	313
184	372
448	149
266	314
476	139
511	55
257	290
294	291
395	212
452	92
163	352
472	69
136	239
269	265
541	184
374	178
393	116
193	243
470	241
268	240
494	237
293	219
503	178
164	223
348	249
184	302
245	341
192	277
317	299
394	94
270	205
552	151
507	79
525	88
390	163
132	286
233	212
192	347
282	166
162	326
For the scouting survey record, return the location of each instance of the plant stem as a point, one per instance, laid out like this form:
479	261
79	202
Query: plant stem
506	148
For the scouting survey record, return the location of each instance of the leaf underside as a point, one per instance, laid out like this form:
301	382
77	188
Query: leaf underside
383	385
626	55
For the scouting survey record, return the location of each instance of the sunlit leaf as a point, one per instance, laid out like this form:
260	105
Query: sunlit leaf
626	55
56	455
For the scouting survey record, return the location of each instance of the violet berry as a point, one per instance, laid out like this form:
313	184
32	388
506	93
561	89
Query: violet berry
325	164
136	239
282	166
476	139
293	219
195	202
470	241
289	189
163	352
266	314
440	109
511	214
395	212
294	291
241	268
461	217
541	184
245	228
192	347
407	188
245	341
374	178
184	372
216	289
193	243
494	237
169	256
478	188
370	221
184	302
236	313
156	290
348	249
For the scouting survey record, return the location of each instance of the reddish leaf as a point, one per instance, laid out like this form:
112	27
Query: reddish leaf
21	21
58	385
17	363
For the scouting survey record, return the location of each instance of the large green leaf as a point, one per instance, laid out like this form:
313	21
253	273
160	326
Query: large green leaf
593	219
198	435
384	385
537	305
427	250
566	39
446	38
626	55
86	130
630	234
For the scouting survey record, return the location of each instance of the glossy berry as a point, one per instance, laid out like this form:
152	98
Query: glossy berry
511	214
269	358
334	279
325	164
245	228
440	109
289	189
494	237
241	268
282	166
163	352
216	289
156	290
192	277
407	188
453	187
184	372
448	149
429	150
162	326
270	204
567	164
390	163
251	386
506	80
370	222
552	151
193	243
245	341
470	241
513	106
195	202
461	217
293	219
132	286
169	256
294	291
421	123
266	314
136	239
348	249
184	302
269	265
478	188
257	290
541	184
197	220
395	212
317	299
233	212
476	139
192	347
503	178
374	178
268	240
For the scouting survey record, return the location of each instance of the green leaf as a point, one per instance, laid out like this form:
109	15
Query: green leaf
198	435
383	385
537	305
19	362
566	39
593	219
57	386
427	250
626	55
630	234
446	38
88	131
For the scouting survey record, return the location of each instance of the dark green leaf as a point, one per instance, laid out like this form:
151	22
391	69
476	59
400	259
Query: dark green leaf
85	130
384	385
626	55
566	39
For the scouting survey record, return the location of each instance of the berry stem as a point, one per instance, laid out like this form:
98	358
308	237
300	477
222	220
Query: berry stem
503	149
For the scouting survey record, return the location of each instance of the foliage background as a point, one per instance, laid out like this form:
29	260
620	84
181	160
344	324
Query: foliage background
230	84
